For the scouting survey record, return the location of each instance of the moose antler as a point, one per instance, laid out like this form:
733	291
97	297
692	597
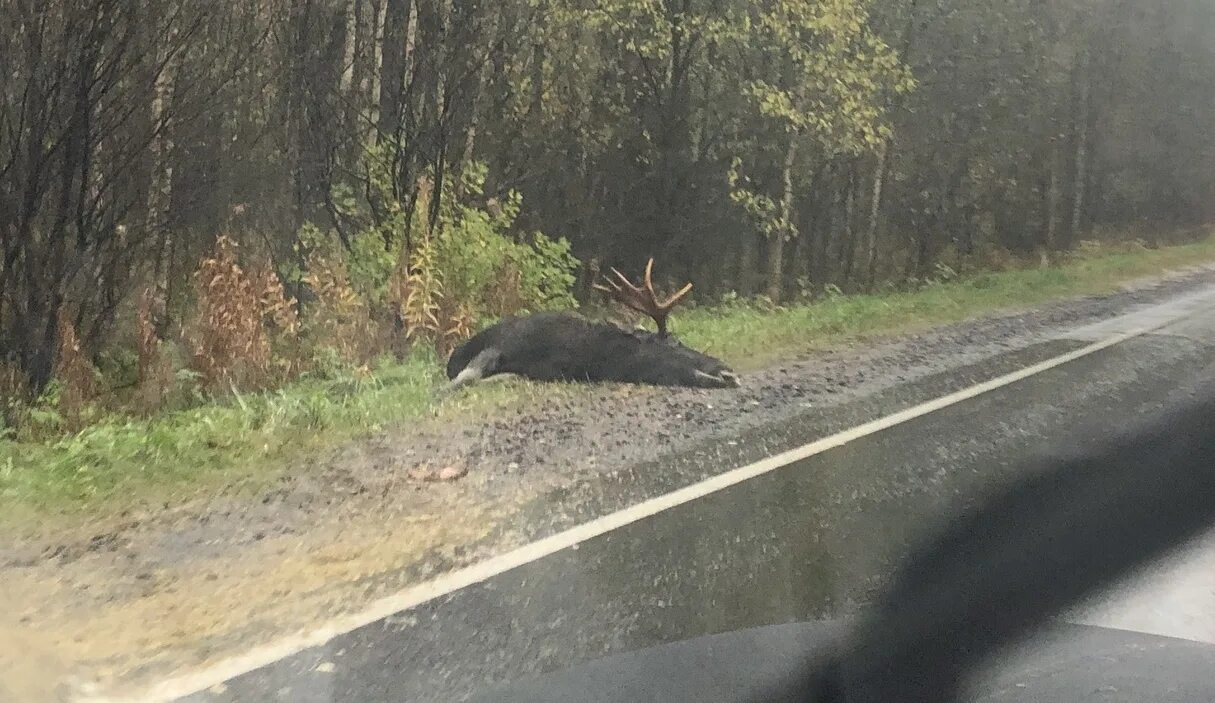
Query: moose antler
643	299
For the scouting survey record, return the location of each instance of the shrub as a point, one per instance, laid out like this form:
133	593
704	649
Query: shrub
241	318
14	395
339	319
417	281
155	377
74	374
230	345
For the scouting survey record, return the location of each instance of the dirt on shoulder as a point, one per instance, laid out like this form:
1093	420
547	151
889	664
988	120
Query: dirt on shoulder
113	604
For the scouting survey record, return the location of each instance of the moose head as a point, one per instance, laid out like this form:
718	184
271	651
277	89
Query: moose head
559	346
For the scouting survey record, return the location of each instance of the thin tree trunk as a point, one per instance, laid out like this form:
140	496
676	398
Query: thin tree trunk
833	248
848	247
880	172
471	79
318	41
1053	198
375	71
747	263
361	100
535	101
776	245
1080	173
819	242
348	78
394	64
160	193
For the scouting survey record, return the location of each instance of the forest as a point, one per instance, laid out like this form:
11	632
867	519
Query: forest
235	194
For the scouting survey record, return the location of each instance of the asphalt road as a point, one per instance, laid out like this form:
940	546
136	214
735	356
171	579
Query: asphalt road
808	541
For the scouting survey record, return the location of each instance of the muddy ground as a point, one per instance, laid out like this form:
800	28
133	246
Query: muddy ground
113	605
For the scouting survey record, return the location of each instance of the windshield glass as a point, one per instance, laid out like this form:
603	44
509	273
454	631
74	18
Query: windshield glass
410	349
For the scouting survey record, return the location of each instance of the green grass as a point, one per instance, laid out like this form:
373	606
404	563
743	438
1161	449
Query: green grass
248	440
751	337
241	443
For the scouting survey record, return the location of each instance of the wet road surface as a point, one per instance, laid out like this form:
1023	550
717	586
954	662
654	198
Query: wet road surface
1069	663
808	541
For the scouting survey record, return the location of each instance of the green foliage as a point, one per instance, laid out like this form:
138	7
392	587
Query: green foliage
917	142
652	28
761	211
475	250
250	437
834	71
547	272
432	276
473	255
622	124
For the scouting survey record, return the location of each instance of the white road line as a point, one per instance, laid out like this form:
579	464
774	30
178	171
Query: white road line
202	679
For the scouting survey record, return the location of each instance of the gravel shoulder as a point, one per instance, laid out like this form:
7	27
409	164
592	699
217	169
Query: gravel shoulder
119	603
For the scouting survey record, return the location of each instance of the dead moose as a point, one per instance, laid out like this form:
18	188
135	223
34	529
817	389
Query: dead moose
561	346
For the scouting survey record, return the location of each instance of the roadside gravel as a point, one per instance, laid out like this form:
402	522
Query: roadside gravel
116	604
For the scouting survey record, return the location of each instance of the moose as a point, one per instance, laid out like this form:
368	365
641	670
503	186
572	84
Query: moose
561	346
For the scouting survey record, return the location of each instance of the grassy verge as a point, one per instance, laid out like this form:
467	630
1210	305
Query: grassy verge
249	439
751	337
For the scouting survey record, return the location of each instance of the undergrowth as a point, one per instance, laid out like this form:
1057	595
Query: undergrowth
244	438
